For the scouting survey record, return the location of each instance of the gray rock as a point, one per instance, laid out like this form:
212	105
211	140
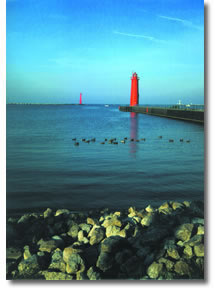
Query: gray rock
122	256
173	253
57	262
182	268
149	259
150	209
201	230
29	267
147	219
184	232
96	235
68	251
75	264
82	238
58	240
177	205
168	263
197	209
112	221
195	240
165	209
62	211
93	274
56	276
13	253
80	275
73	231
47	246
199	250
112	230
198	221
142	252
154	270
188	251
133	267
105	261
27	253
85	227
47	213
113	243
26	218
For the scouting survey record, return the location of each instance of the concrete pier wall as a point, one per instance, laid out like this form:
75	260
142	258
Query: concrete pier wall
180	114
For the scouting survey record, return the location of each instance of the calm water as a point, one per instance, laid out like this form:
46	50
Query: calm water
45	169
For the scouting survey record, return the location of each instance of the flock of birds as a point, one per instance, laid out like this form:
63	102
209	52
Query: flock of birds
123	141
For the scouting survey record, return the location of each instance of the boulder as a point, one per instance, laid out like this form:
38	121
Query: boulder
113	244
105	261
68	251
26	253
165	209
47	213
82	238
92	221
177	205
62	211
73	231
197	209
154	270
199	250
187	204
122	256
27	218
200	230
56	276
184	232
85	227
57	262
29	267
150	209
80	275
133	267
58	240
182	268
75	264
13	253
198	221
188	251
112	230
147	219
173	253
112	221
47	246
93	274
195	240
168	263
96	235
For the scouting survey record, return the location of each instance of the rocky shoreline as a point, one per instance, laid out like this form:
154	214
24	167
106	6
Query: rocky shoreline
162	243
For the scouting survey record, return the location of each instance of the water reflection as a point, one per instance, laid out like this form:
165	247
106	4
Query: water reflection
133	132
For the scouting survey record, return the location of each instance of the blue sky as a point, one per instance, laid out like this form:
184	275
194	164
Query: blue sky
59	48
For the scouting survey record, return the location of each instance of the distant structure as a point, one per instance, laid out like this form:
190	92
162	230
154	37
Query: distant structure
80	102
134	101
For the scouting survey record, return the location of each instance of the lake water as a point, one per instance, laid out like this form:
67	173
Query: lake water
45	168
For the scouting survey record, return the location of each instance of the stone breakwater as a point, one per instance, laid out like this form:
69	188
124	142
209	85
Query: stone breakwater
161	243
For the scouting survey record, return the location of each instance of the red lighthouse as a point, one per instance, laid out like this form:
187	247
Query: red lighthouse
80	102
134	90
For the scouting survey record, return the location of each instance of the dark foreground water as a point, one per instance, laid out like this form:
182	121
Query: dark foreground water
45	169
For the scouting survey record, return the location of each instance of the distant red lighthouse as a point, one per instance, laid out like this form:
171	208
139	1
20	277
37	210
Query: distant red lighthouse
134	90
80	102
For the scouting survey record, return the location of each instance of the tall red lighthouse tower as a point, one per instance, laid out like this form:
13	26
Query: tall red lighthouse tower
80	101
134	90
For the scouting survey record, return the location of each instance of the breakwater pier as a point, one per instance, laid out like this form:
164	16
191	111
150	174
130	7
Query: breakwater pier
186	114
